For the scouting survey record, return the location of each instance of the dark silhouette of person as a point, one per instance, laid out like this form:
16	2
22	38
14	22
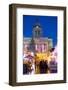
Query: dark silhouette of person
52	49
53	66
43	66
25	69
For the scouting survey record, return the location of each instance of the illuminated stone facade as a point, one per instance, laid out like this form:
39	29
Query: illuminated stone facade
37	43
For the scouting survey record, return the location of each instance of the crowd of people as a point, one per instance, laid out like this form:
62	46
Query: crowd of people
32	64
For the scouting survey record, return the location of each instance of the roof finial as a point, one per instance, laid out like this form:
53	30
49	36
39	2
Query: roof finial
37	23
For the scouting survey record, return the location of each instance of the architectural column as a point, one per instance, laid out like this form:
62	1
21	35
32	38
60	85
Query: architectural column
36	46
42	47
46	46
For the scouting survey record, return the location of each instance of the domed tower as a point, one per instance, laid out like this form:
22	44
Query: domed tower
37	31
36	35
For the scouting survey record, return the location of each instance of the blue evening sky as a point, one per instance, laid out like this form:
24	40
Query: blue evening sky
48	24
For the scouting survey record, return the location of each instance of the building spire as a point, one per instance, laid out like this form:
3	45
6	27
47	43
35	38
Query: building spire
37	23
37	30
